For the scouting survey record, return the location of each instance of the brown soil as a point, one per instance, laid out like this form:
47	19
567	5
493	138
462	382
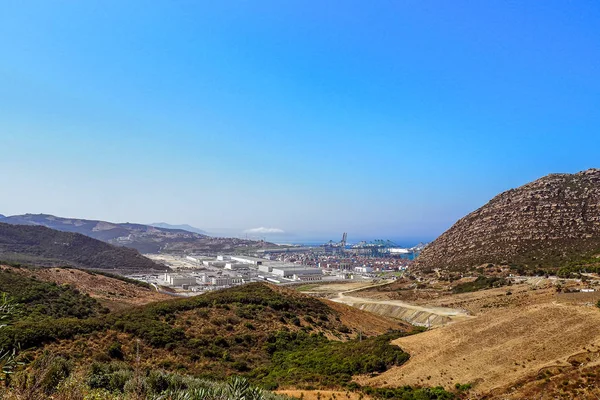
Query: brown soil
370	324
511	339
323	395
110	292
357	320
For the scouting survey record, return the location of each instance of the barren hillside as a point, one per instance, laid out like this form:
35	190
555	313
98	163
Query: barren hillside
546	223
510	340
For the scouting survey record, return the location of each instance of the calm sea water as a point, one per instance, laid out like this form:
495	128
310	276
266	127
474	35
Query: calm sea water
404	243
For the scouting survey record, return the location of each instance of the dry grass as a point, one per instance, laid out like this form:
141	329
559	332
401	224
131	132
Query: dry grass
510	341
323	395
111	293
370	324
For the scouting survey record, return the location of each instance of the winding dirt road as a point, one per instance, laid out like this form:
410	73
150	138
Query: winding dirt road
414	314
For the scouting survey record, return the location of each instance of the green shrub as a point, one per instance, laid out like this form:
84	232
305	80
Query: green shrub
299	358
115	351
482	282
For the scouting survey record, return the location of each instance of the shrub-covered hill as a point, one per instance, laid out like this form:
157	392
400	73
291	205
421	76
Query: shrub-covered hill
112	291
38	245
34	300
255	330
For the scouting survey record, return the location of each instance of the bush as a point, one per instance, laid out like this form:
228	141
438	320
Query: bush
115	351
480	283
299	358
53	372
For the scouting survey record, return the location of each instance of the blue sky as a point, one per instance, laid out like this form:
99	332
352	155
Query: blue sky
382	119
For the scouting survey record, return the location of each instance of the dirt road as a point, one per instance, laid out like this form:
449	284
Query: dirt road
421	315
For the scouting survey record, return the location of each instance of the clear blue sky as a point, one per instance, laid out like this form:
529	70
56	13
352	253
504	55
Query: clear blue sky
383	119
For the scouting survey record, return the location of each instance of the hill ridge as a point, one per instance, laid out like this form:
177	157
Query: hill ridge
144	238
545	223
40	245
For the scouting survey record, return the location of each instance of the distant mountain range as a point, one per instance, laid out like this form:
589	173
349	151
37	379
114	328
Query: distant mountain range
547	223
144	238
39	245
183	227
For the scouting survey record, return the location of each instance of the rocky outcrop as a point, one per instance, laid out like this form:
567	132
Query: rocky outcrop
545	223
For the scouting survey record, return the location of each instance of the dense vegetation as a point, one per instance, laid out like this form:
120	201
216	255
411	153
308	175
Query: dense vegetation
214	335
307	360
268	335
410	393
117	277
37	299
58	377
38	245
482	282
584	265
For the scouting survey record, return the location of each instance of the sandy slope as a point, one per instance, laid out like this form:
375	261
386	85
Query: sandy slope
415	314
498	348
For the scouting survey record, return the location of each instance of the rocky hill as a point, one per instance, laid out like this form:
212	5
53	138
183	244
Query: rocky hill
543	224
144	238
39	245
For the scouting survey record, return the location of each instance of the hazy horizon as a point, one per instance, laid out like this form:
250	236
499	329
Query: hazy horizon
389	120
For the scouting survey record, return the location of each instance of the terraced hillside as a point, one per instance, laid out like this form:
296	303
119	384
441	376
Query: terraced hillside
547	223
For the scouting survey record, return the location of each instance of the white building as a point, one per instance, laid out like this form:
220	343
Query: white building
210	263
265	268
225	281
249	260
179	280
232	265
290	271
313	277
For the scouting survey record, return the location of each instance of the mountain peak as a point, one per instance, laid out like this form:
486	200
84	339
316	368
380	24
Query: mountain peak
544	223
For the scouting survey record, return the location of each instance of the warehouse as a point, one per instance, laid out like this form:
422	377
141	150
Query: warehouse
265	268
232	265
178	280
290	271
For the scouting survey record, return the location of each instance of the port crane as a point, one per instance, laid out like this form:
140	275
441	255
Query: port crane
332	247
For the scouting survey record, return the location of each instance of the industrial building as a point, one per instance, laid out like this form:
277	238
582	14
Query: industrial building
249	260
312	277
290	271
265	268
225	281
233	265
179	280
213	263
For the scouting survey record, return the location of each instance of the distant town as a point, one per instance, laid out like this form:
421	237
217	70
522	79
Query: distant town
194	274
